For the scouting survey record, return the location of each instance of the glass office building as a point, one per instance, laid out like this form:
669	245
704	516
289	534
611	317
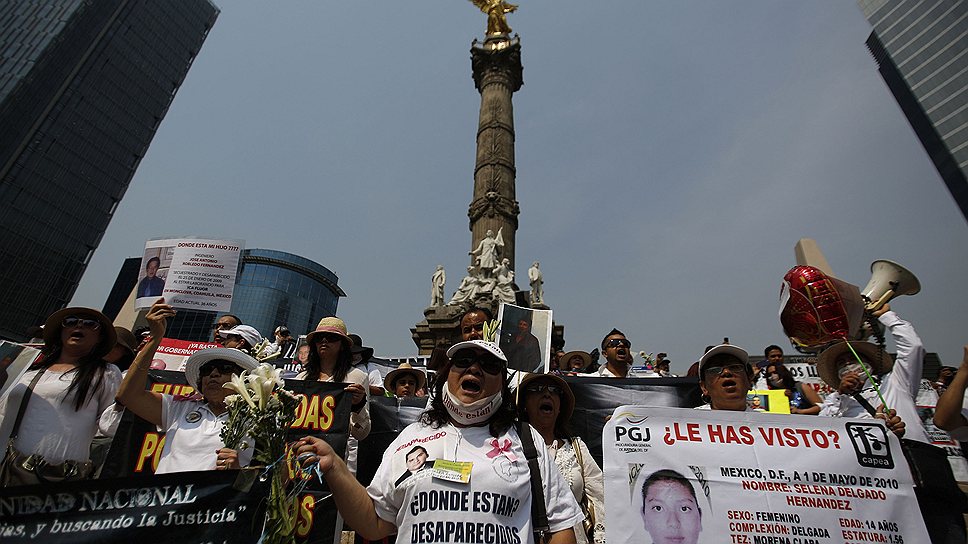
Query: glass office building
921	49
84	86
272	288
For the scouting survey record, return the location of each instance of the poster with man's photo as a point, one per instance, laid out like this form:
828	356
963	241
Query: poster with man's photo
704	476
525	337
191	273
155	265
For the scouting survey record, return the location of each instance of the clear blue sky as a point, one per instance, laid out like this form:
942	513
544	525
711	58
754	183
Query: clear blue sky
669	156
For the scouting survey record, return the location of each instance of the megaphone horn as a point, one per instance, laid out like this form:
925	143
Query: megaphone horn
888	280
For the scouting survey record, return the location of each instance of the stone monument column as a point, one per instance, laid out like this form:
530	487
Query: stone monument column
497	70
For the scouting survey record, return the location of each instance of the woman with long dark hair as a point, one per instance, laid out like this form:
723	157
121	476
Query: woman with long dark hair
471	441
69	388
331	360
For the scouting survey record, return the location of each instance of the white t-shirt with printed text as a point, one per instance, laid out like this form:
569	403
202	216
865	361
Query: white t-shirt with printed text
494	506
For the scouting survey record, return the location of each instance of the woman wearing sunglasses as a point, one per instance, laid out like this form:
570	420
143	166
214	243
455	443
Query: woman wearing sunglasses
331	360
479	486
546	402
192	424
68	387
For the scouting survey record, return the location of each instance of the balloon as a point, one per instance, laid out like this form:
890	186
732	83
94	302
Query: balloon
812	311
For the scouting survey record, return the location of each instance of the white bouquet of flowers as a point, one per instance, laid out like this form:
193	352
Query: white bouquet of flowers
263	410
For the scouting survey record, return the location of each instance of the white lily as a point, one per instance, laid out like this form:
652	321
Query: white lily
237	384
255	386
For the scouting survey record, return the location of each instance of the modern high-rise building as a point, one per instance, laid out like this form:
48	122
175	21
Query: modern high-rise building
272	288
84	85
921	49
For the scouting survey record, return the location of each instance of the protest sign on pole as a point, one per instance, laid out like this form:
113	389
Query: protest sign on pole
524	335
691	476
191	273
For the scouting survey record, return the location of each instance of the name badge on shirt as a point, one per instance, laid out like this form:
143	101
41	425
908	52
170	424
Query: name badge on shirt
452	471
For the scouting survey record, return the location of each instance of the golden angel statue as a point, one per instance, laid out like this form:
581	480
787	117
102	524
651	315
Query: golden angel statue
495	10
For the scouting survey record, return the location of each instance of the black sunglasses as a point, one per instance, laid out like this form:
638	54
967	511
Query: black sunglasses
488	364
220	326
541	388
618	343
224	367
329	338
717	371
86	323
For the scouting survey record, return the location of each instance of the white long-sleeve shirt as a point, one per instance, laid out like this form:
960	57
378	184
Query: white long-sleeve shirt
899	387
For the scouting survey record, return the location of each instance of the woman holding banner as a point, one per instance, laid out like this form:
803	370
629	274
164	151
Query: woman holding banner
480	486
803	400
51	415
192	425
547	404
331	360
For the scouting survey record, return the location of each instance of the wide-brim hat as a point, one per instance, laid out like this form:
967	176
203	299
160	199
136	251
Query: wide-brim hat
727	349
54	324
566	359
202	356
404	368
827	360
332	325
567	396
489	347
358	347
127	339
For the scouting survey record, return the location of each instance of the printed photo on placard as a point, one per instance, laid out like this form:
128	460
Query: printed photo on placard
155	265
525	337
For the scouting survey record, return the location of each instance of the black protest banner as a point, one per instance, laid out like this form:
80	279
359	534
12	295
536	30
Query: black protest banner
597	398
324	413
137	444
388	416
187	507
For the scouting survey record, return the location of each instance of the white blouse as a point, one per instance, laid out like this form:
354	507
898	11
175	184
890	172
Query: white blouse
584	479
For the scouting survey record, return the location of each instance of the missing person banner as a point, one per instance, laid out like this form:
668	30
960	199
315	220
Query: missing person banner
191	273
768	400
702	476
185	507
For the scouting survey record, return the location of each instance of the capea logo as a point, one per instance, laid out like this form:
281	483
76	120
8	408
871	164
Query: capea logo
193	417
630	433
871	445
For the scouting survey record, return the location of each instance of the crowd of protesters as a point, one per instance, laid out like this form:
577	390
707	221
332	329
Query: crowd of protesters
90	370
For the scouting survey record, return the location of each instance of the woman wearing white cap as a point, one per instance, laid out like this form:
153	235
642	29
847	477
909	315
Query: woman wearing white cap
53	412
192	425
479	488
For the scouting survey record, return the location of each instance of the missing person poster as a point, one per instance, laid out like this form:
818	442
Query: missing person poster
191	273
524	335
701	476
